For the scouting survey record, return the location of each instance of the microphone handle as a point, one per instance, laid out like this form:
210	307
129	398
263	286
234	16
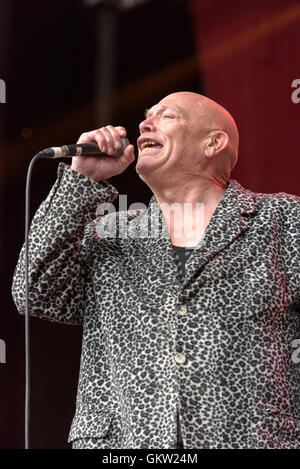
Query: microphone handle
81	149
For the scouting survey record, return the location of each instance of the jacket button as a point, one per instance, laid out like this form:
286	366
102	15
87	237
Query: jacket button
182	309
180	358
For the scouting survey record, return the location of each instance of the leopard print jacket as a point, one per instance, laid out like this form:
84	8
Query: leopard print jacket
221	347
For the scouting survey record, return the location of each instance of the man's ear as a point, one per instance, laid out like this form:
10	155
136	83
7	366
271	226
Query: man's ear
216	142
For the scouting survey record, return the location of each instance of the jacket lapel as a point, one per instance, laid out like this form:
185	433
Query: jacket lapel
230	219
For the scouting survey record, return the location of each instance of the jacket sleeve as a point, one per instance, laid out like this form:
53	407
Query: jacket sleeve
57	247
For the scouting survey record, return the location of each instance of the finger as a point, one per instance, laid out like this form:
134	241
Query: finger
128	155
107	133
87	137
121	130
98	136
116	136
105	137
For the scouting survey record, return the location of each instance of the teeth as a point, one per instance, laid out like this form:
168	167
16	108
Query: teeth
147	145
148	149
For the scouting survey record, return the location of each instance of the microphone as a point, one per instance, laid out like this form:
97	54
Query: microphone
80	149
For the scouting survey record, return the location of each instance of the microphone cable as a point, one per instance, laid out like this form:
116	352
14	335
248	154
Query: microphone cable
27	329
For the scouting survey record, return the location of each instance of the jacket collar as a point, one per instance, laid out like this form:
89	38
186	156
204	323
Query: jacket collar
229	220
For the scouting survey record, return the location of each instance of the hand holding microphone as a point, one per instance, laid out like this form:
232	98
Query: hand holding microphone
110	140
98	154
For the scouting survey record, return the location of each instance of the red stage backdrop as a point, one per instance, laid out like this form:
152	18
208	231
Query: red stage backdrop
248	55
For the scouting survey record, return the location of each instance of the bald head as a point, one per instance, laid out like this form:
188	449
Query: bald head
186	136
210	116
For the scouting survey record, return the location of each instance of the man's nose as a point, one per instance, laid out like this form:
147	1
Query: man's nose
147	125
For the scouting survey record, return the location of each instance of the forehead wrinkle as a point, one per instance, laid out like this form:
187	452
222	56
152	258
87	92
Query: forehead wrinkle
163	107
150	111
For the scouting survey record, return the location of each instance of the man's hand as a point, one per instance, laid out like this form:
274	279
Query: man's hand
104	167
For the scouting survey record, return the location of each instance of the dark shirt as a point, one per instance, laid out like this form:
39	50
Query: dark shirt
182	255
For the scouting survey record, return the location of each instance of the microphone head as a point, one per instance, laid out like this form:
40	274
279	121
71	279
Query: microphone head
120	152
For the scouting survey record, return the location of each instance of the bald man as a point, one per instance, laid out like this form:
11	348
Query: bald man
190	308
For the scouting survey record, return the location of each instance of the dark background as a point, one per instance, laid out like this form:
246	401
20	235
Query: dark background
241	53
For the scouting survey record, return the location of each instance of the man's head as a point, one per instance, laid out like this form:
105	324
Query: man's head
187	134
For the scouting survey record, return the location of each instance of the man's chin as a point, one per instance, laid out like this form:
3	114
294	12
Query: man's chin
148	168
142	167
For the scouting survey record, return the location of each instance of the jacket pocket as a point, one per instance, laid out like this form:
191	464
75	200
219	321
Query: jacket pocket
91	425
